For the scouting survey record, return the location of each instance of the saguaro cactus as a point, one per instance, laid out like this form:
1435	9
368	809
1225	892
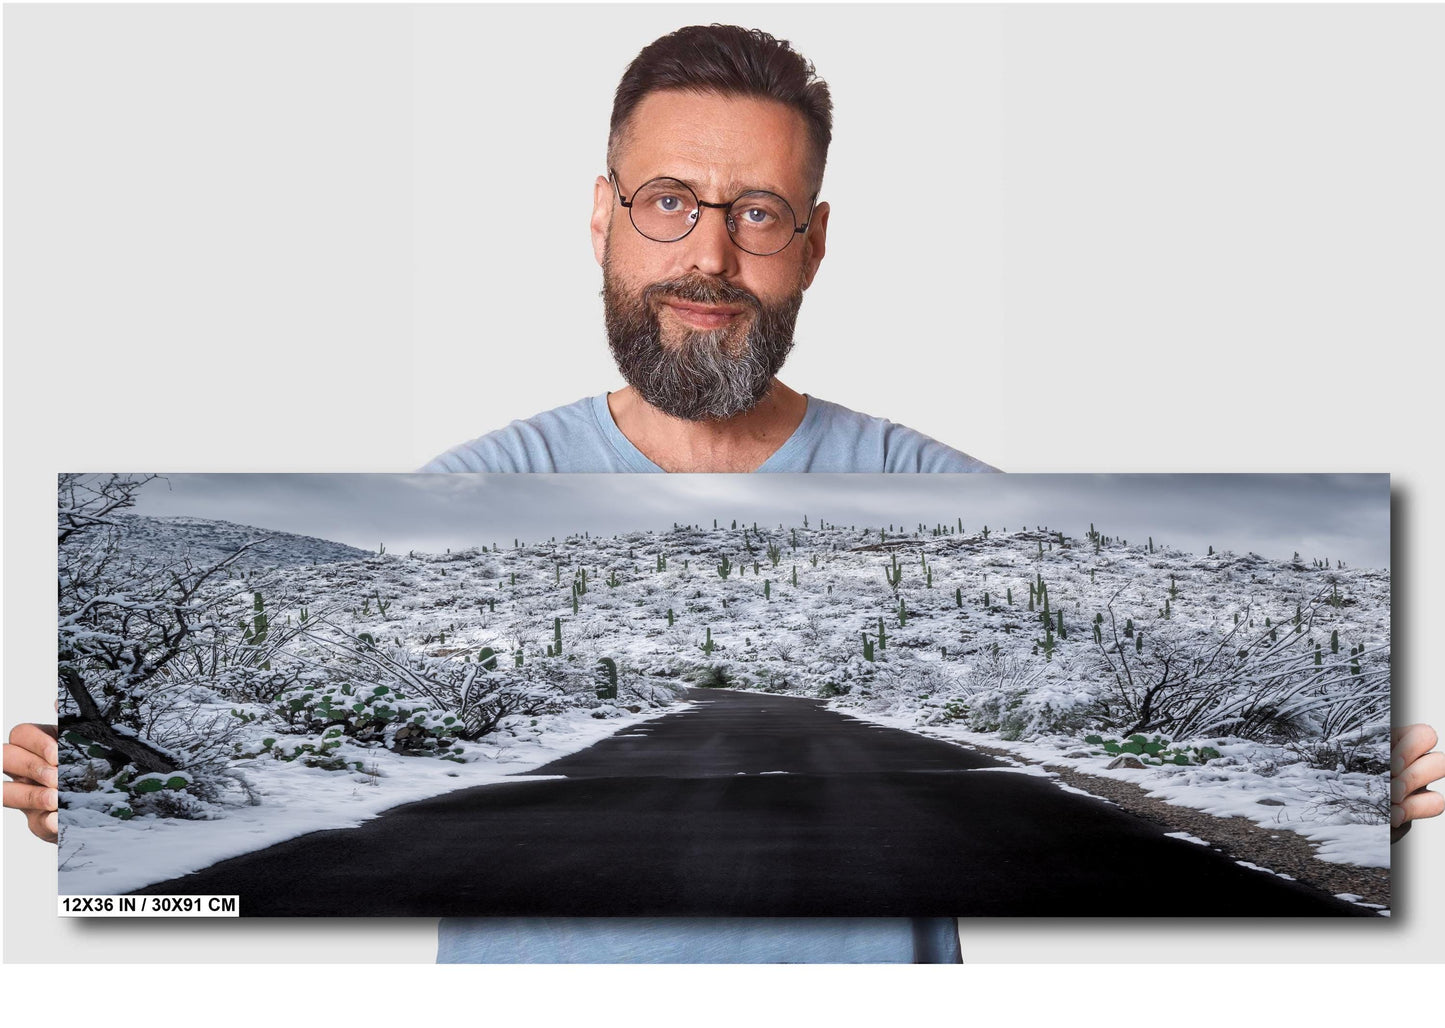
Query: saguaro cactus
606	675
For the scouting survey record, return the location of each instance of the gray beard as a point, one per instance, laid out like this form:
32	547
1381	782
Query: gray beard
698	380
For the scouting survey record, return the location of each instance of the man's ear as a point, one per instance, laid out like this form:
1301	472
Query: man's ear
601	216
816	239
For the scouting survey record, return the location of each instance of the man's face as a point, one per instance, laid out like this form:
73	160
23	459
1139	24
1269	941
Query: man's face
698	326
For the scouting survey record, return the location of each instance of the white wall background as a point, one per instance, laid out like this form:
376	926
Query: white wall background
346	238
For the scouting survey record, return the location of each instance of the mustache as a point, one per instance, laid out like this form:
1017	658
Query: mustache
697	289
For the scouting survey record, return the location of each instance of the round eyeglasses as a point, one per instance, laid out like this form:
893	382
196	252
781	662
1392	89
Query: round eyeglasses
665	210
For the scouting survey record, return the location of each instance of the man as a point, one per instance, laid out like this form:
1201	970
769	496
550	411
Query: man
708	229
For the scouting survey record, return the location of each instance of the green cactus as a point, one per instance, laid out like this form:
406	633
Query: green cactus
882	635
606	675
709	645
725	568
775	553
767	589
867	647
557	636
670	617
894	573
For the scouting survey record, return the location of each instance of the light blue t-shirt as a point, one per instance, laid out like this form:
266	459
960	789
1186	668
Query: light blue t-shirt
582	437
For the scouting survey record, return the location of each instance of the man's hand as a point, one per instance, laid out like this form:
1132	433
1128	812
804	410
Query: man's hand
1412	768
32	759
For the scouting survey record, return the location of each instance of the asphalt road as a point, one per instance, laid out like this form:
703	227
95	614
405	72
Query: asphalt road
749	804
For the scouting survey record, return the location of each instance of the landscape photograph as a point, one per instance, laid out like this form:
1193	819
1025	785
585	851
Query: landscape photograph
727	695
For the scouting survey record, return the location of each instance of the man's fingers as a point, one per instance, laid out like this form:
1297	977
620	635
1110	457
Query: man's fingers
1428	769
1409	744
44	825
1416	806
27	797
38	739
24	764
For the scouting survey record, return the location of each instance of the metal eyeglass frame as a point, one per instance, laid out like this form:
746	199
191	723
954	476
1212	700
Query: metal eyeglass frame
797	229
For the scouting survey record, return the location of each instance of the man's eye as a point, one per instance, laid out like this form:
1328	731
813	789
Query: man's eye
669	204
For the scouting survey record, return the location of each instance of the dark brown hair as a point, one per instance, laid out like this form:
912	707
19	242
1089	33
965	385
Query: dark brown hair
731	61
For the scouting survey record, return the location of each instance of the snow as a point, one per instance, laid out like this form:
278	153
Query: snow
1186	837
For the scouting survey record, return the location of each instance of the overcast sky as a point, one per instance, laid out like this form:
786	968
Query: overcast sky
1332	516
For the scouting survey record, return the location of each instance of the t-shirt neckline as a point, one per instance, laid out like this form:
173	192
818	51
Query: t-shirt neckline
636	460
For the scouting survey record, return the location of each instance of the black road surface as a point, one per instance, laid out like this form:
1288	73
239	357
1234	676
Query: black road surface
751	804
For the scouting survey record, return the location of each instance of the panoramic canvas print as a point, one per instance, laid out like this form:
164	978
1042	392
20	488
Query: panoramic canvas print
537	695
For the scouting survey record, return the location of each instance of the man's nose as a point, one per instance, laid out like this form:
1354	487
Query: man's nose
709	246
